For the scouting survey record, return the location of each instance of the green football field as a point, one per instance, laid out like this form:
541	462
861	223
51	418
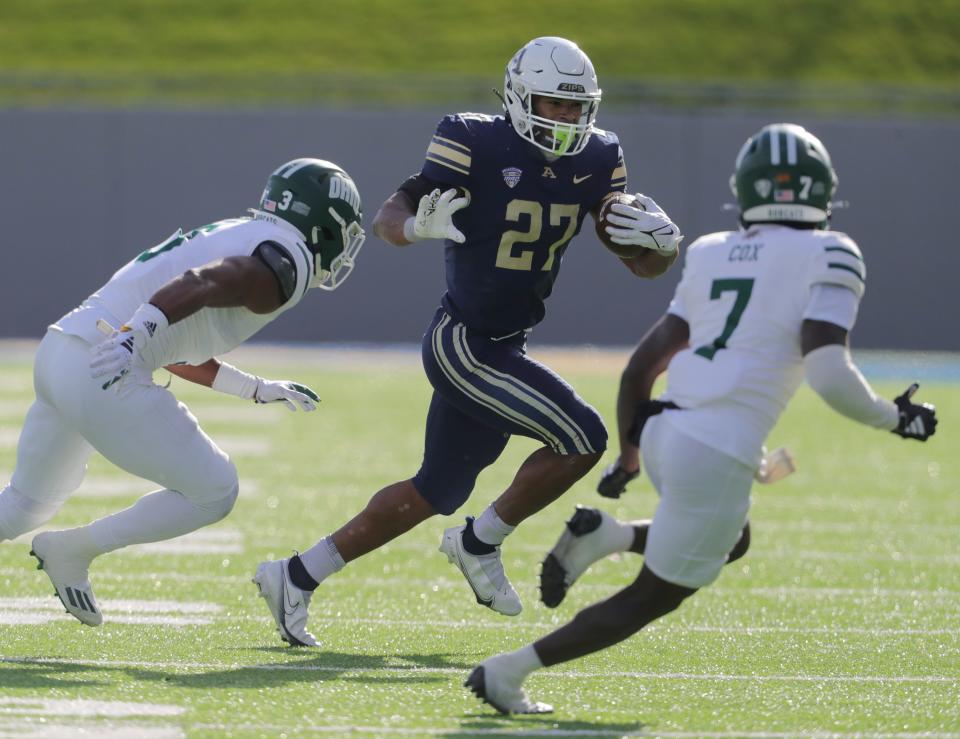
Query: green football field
840	621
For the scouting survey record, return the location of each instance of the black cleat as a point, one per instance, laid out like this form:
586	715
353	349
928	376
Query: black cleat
554	581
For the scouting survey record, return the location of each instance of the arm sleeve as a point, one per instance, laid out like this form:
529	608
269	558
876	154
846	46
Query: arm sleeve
835	378
833	304
292	265
839	262
282	266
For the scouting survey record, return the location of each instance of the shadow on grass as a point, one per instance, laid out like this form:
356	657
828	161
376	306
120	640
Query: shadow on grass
295	666
47	674
310	666
543	725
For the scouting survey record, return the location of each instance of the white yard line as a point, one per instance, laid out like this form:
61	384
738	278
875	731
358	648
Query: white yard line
597	731
409	582
33	611
85	708
203	541
29	728
50	610
9	435
179	666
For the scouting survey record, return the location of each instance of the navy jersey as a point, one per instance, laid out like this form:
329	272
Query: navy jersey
523	212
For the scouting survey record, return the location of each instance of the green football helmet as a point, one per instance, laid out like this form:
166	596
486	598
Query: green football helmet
321	201
783	173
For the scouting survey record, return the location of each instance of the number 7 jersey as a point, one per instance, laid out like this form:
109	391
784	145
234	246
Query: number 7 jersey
744	295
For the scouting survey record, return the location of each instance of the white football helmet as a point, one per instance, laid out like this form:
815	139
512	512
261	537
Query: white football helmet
552	67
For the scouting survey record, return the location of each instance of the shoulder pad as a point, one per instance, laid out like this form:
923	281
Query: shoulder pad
605	137
281	264
449	153
838	261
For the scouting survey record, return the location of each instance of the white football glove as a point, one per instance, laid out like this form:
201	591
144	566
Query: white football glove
434	219
123	349
233	381
647	226
293	394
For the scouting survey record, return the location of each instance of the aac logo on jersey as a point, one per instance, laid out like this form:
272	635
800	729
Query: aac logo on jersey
511	175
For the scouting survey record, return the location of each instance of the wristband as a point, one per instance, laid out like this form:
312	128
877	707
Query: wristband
148	317
233	381
409	229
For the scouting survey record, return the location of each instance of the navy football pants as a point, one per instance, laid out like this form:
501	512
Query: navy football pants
484	391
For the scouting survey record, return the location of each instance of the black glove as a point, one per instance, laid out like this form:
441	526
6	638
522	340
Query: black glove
916	421
614	480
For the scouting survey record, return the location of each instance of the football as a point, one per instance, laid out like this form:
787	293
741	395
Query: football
624	251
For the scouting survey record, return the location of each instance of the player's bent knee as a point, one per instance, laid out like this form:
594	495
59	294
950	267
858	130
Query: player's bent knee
444	496
219	482
596	434
654	596
217	510
447	484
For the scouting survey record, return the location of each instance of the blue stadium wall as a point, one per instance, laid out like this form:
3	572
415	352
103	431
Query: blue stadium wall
84	191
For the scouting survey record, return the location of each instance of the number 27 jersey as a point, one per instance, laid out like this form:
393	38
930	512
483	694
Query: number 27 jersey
523	212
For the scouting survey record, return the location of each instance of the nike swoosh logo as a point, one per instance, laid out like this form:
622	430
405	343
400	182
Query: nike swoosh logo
578	180
488	602
288	607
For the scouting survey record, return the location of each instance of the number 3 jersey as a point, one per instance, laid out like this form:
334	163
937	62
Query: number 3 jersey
210	331
745	295
523	212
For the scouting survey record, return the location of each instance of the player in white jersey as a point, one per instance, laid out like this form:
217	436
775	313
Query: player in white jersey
177	305
756	310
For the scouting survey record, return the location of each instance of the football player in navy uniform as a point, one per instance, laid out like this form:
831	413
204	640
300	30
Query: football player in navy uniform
507	194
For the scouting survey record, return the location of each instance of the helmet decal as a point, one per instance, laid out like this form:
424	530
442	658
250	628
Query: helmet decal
320	200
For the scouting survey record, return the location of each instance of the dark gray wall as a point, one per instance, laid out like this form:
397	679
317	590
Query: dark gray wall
82	192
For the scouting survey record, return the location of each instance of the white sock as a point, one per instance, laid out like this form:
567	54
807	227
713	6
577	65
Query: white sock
490	528
515	666
20	514
322	559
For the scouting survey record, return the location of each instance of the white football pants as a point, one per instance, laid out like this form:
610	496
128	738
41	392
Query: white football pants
704	501
138	426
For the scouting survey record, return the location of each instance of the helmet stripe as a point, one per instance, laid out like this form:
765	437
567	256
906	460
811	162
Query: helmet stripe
774	147
297	166
791	149
279	171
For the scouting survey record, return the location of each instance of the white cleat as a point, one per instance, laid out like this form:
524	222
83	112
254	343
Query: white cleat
287	603
504	693
484	574
70	577
589	536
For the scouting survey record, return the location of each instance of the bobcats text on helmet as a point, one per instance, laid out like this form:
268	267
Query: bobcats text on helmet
551	67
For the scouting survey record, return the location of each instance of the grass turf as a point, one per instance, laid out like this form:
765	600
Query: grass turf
841	619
